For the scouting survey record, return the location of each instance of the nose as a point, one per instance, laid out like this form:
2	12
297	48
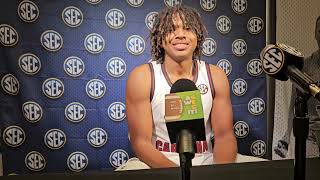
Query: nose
179	33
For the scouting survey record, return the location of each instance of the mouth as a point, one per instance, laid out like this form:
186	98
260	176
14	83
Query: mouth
180	46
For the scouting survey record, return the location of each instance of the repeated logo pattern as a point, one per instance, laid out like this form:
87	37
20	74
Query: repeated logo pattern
75	112
118	157
94	43
115	18
77	161
29	64
208	5
55	138
51	40
209	47
97	137
28	11
239	6
32	111
73	66
10	84
72	16
116	67
63	72
35	161
8	35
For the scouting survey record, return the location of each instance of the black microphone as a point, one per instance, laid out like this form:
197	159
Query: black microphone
282	62
182	130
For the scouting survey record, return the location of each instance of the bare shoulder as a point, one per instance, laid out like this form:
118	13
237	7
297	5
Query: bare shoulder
140	72
218	75
139	81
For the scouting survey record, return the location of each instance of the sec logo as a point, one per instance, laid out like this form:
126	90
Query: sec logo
239	47
117	111
254	67
8	35
77	161
225	65
96	89
209	47
97	137
208	5
10	84
55	139
241	129
28	11
118	157
35	161
272	59
51	40
116	67
73	66
135	44
115	18
29	64
239	6
256	106
32	111
255	25
72	16
14	136
53	88
94	43
223	24
150	18
75	112
258	148
239	87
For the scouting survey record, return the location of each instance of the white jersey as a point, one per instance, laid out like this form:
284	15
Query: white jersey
161	86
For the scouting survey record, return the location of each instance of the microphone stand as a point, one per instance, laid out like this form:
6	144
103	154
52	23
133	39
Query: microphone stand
300	131
186	144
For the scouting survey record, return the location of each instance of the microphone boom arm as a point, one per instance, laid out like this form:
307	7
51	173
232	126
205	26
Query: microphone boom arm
305	83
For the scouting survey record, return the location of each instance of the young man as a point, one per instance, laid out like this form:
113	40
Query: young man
176	39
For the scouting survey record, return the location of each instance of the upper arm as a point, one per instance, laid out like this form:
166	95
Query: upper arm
138	106
221	114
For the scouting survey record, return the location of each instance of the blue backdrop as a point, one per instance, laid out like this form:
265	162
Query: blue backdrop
64	64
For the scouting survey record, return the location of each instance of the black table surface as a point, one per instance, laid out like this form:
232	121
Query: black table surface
267	170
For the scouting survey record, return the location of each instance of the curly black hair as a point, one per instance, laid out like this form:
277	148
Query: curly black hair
163	25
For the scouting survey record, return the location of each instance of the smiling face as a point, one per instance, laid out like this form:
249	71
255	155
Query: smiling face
179	44
175	32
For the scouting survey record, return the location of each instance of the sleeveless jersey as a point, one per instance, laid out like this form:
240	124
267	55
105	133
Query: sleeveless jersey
160	86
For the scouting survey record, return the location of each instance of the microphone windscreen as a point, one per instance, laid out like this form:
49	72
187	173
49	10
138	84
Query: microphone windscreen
183	85
293	56
196	126
276	58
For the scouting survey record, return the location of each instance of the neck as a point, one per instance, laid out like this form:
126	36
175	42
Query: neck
178	70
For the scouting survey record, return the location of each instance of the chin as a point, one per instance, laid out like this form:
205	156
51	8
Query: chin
181	58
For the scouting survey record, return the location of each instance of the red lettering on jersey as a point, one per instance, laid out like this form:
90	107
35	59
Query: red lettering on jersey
173	147
199	147
205	146
166	147
159	145
202	146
